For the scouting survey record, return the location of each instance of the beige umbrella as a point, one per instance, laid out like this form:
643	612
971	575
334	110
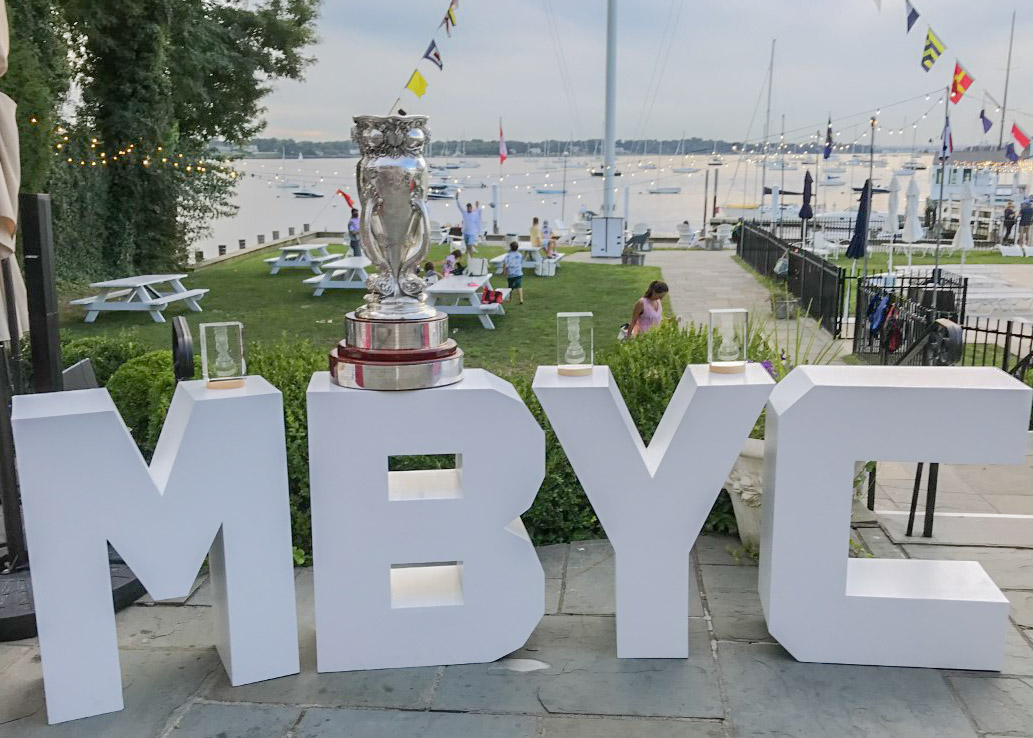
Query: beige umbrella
963	237
913	231
10	180
5	39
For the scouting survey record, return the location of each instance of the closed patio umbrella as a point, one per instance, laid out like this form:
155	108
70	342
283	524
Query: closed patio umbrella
806	211
889	226
913	230
10	180
963	237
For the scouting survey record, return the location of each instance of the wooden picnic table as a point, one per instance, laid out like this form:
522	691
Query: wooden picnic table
302	256
461	295
140	294
348	273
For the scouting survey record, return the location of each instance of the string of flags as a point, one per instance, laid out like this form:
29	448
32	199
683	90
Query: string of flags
962	80
418	83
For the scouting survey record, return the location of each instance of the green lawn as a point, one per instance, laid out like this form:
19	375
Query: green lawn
878	262
270	306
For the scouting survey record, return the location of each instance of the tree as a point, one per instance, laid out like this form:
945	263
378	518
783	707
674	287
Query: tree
37	80
160	78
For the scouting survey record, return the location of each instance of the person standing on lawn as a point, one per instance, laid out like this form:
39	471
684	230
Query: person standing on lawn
1009	220
1025	221
471	227
513	265
353	233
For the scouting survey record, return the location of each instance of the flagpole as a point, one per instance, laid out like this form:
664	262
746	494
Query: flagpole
871	196
767	127
1007	79
609	145
939	208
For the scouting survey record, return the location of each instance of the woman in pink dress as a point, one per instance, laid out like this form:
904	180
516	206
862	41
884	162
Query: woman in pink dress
649	311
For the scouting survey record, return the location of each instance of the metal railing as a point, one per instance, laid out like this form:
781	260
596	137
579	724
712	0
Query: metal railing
893	313
817	283
1002	343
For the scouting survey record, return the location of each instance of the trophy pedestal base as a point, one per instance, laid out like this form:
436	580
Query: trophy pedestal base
396	355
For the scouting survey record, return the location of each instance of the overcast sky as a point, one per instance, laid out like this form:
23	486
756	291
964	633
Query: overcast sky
838	56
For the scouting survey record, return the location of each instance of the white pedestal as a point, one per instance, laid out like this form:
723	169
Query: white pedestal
428	567
218	480
653	501
822	606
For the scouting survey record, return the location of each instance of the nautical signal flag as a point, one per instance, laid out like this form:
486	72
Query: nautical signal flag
347	197
962	81
450	18
503	152
933	48
987	123
417	84
433	55
1020	136
1011	153
912	15
947	145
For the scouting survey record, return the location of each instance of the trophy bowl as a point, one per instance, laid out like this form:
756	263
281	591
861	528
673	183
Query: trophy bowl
395	341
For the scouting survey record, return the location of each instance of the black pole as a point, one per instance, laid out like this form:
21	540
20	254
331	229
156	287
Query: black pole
40	278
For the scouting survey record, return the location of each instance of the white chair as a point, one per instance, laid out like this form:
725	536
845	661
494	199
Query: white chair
639	229
687	236
438	233
724	235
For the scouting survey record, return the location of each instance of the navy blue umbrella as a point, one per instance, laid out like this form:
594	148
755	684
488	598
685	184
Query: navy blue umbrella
857	244
806	212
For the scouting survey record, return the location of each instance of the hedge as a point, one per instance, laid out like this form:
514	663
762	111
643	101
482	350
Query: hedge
647	370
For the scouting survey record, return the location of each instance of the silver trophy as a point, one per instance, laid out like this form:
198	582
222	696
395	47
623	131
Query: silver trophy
395	341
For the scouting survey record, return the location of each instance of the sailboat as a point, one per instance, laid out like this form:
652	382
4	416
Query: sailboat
683	169
285	184
647	164
716	160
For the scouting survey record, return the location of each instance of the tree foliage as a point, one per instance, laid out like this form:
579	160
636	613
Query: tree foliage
158	79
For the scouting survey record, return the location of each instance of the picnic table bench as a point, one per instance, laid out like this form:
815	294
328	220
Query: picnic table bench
140	294
302	256
461	295
348	273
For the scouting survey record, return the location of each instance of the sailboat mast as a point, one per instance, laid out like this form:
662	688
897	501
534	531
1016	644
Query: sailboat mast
1007	79
609	147
767	125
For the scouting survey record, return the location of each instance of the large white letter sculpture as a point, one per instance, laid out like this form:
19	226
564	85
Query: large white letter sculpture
822	606
219	473
653	501
430	567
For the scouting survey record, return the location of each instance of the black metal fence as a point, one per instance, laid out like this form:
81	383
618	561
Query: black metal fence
892	313
817	283
1007	344
841	231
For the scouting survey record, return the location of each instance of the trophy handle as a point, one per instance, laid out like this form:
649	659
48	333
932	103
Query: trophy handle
409	283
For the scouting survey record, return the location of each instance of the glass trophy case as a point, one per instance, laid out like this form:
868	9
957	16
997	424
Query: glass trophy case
727	341
574	344
223	365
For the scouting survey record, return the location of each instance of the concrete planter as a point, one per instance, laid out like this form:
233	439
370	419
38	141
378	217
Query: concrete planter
635	258
746	488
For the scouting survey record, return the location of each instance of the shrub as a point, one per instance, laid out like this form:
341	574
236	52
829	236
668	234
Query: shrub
647	370
288	365
106	353
142	389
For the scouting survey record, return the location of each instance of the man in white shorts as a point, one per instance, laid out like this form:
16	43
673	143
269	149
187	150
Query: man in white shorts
471	227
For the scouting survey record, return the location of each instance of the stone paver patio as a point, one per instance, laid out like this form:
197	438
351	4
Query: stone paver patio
566	682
